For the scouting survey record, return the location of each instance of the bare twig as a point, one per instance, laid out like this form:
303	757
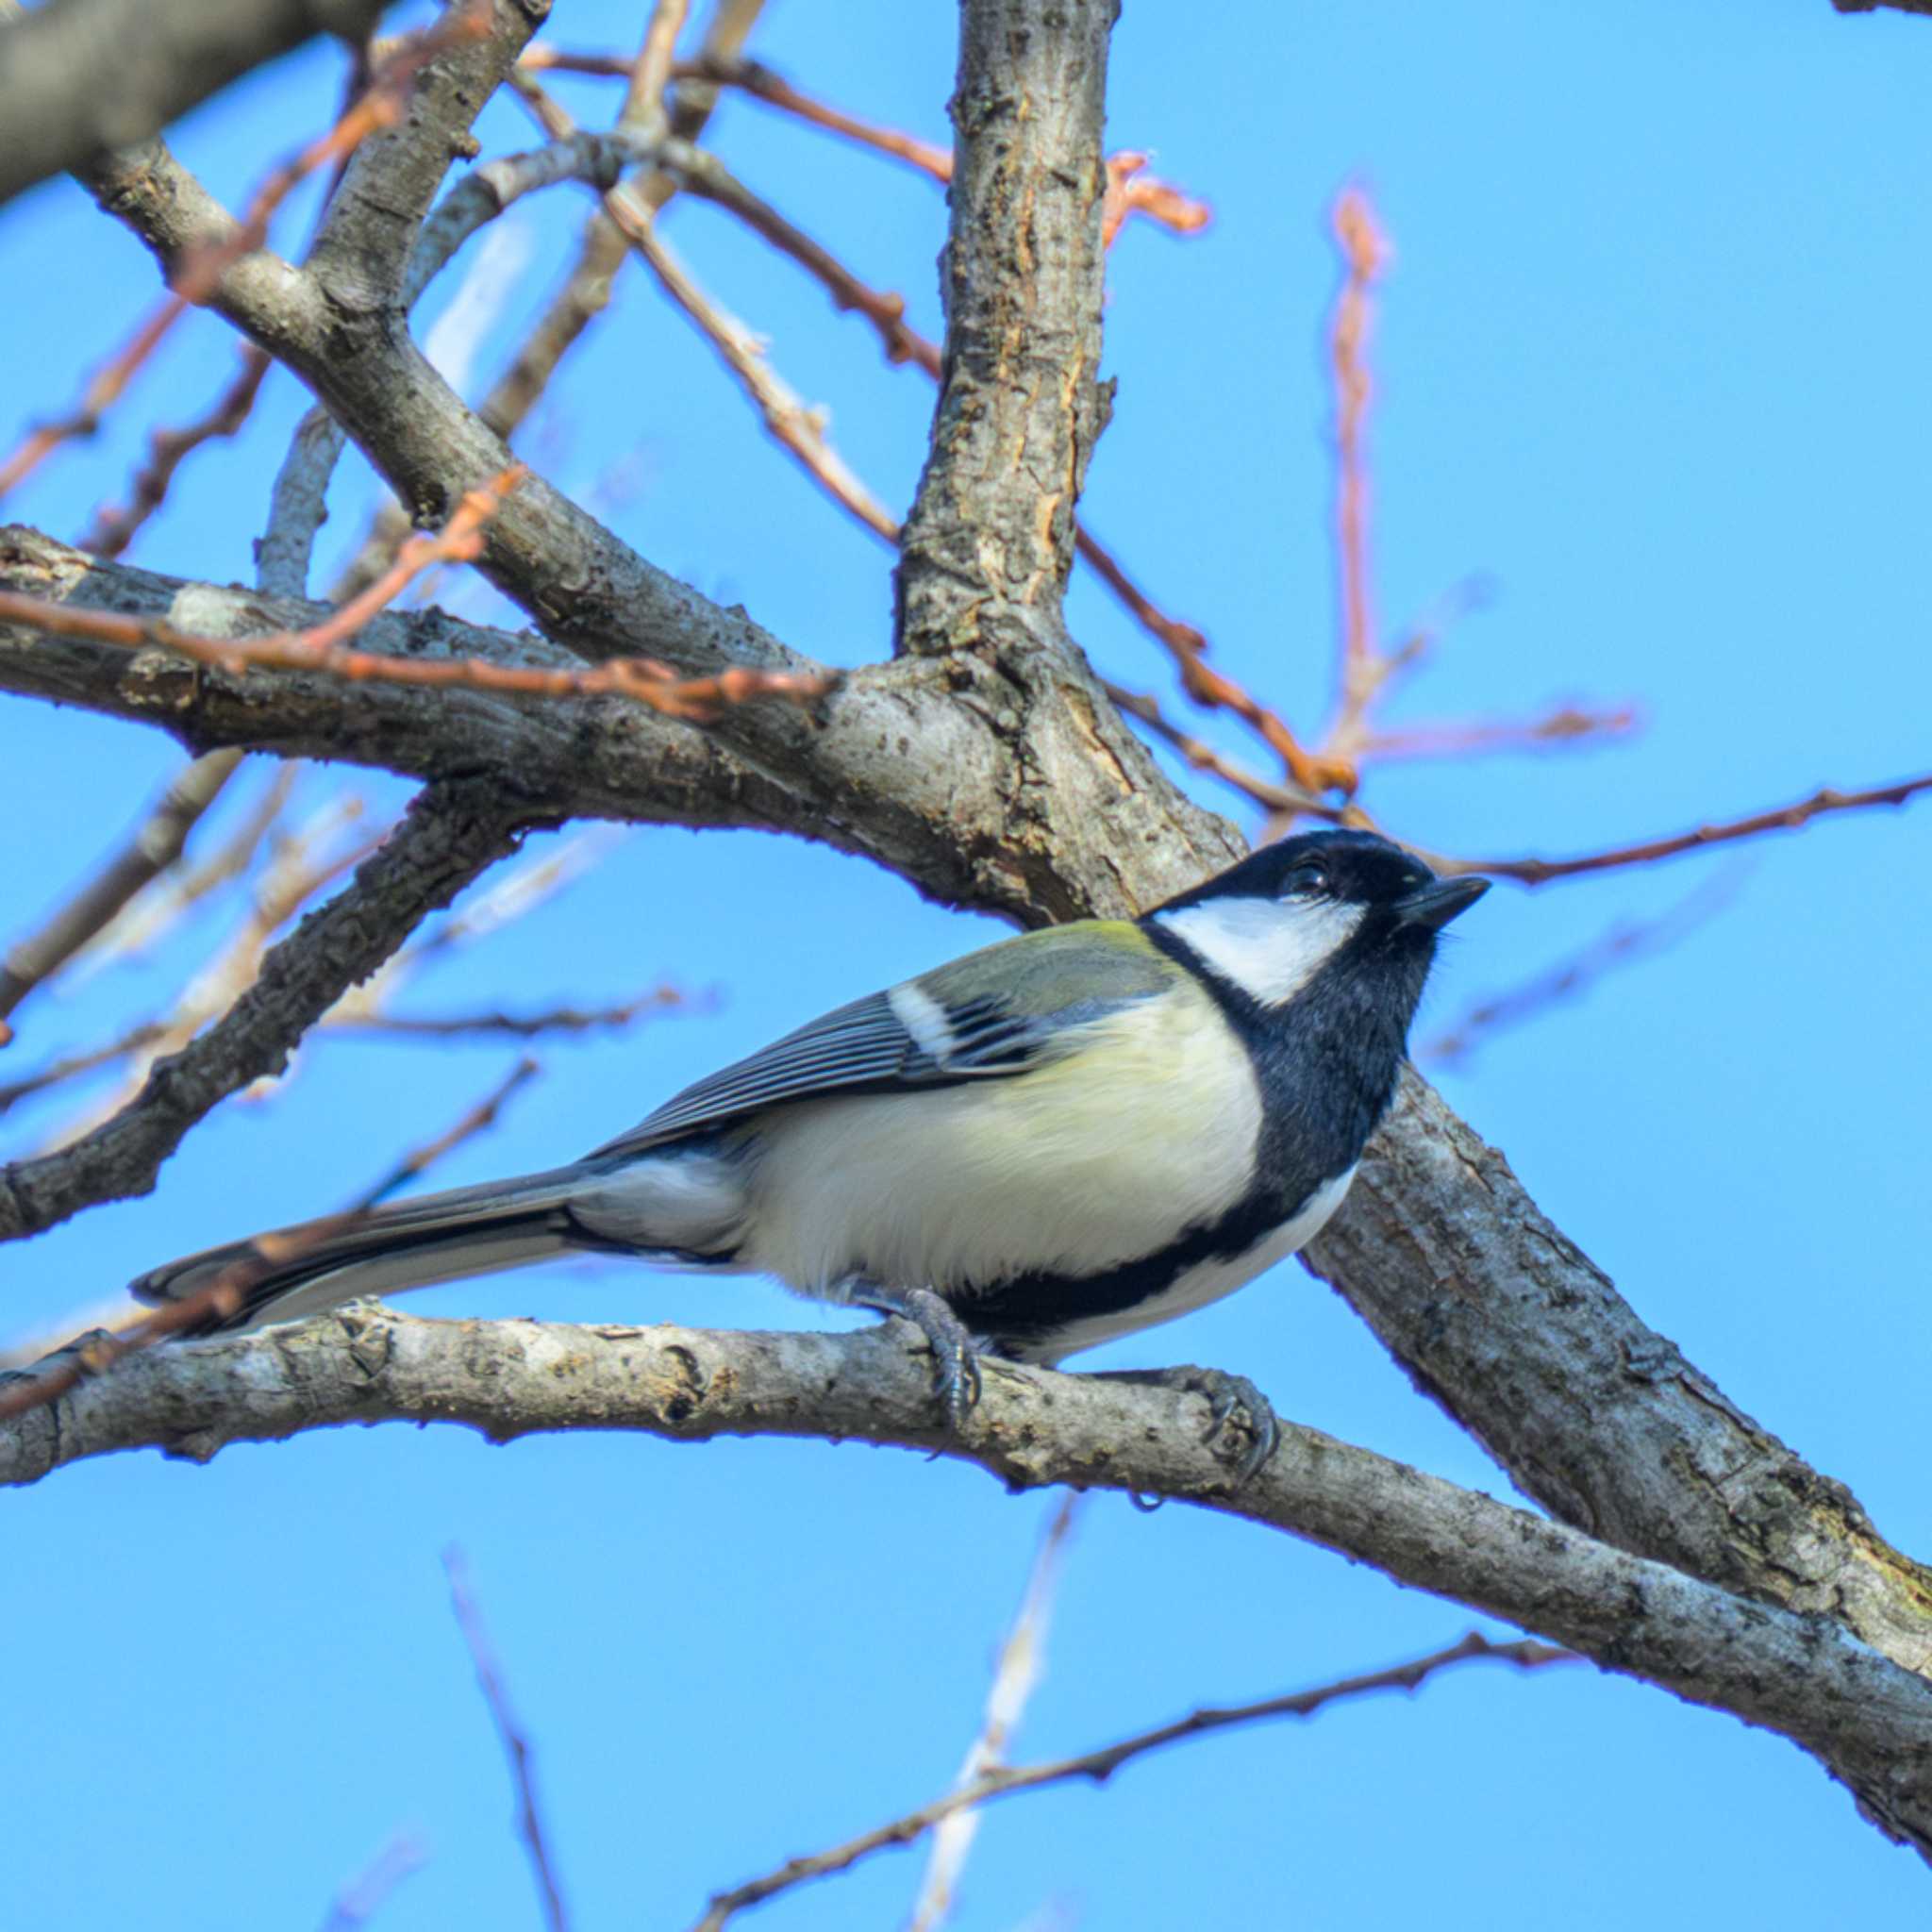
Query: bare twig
476	1120
151	851
1131	191
1625	941
198	274
1268	793
113	530
95	1353
643	111
359	1900
800	429
1561	727
1366	253
1016	1674
103	389
1101	1764
72	1066
321	647
660	999
515	1744
1538	871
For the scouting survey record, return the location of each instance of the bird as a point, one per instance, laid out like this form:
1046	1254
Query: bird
1056	1141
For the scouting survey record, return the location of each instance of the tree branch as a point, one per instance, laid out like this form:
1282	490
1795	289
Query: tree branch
80	76
450	833
1866	1721
1021	403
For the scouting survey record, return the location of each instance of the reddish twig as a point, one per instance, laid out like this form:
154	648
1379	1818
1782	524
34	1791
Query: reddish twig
515	1744
1626	940
1100	1765
197	274
1364	252
321	648
478	1119
103	389
1473	737
708	177
1130	191
1538	871
113	530
93	1355
800	429
1277	798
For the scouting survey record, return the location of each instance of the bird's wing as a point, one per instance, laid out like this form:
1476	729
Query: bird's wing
975	1019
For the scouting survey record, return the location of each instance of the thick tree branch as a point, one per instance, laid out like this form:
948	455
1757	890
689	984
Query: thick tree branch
450	833
1020	400
369	229
1505	1322
1866	1721
80	76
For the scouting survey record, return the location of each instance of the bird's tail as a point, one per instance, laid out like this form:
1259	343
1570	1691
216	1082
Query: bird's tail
297	1271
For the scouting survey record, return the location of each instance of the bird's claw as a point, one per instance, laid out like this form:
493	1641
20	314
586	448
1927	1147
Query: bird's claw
1226	1395
955	1377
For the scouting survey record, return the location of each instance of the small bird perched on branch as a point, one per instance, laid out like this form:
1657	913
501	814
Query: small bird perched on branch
1052	1142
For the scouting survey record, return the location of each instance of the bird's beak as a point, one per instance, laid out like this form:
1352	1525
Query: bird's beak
1435	904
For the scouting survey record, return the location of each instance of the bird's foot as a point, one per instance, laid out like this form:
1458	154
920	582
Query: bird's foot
1225	1394
955	1352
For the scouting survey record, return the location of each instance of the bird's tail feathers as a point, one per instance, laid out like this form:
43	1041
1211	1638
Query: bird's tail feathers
297	1271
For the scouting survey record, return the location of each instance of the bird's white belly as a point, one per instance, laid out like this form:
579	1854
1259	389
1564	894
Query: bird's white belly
1073	1168
1208	1281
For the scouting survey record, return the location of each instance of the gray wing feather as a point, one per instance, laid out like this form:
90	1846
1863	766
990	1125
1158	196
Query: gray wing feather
860	1045
998	1021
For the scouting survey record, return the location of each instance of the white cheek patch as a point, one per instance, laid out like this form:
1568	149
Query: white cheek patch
1269	948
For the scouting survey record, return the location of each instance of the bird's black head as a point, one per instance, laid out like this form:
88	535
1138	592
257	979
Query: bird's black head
1322	905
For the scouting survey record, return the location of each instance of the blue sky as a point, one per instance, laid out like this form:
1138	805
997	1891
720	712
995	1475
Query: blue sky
1651	358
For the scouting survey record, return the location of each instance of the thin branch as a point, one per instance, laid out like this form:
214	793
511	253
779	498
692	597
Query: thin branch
113	530
1366	253
1131	191
154	847
708	179
1782	818
451	832
364	1895
1562	726
1267	793
321	647
94	1354
198	273
515	1744
1098	1766
800	429
1016	1675
476	1120
661	999
643	111
751	77
104	388
1626	940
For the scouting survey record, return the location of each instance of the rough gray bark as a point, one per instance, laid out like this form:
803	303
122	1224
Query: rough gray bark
1868	1722
78	76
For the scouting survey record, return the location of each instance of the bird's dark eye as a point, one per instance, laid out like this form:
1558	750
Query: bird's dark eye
1307	881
